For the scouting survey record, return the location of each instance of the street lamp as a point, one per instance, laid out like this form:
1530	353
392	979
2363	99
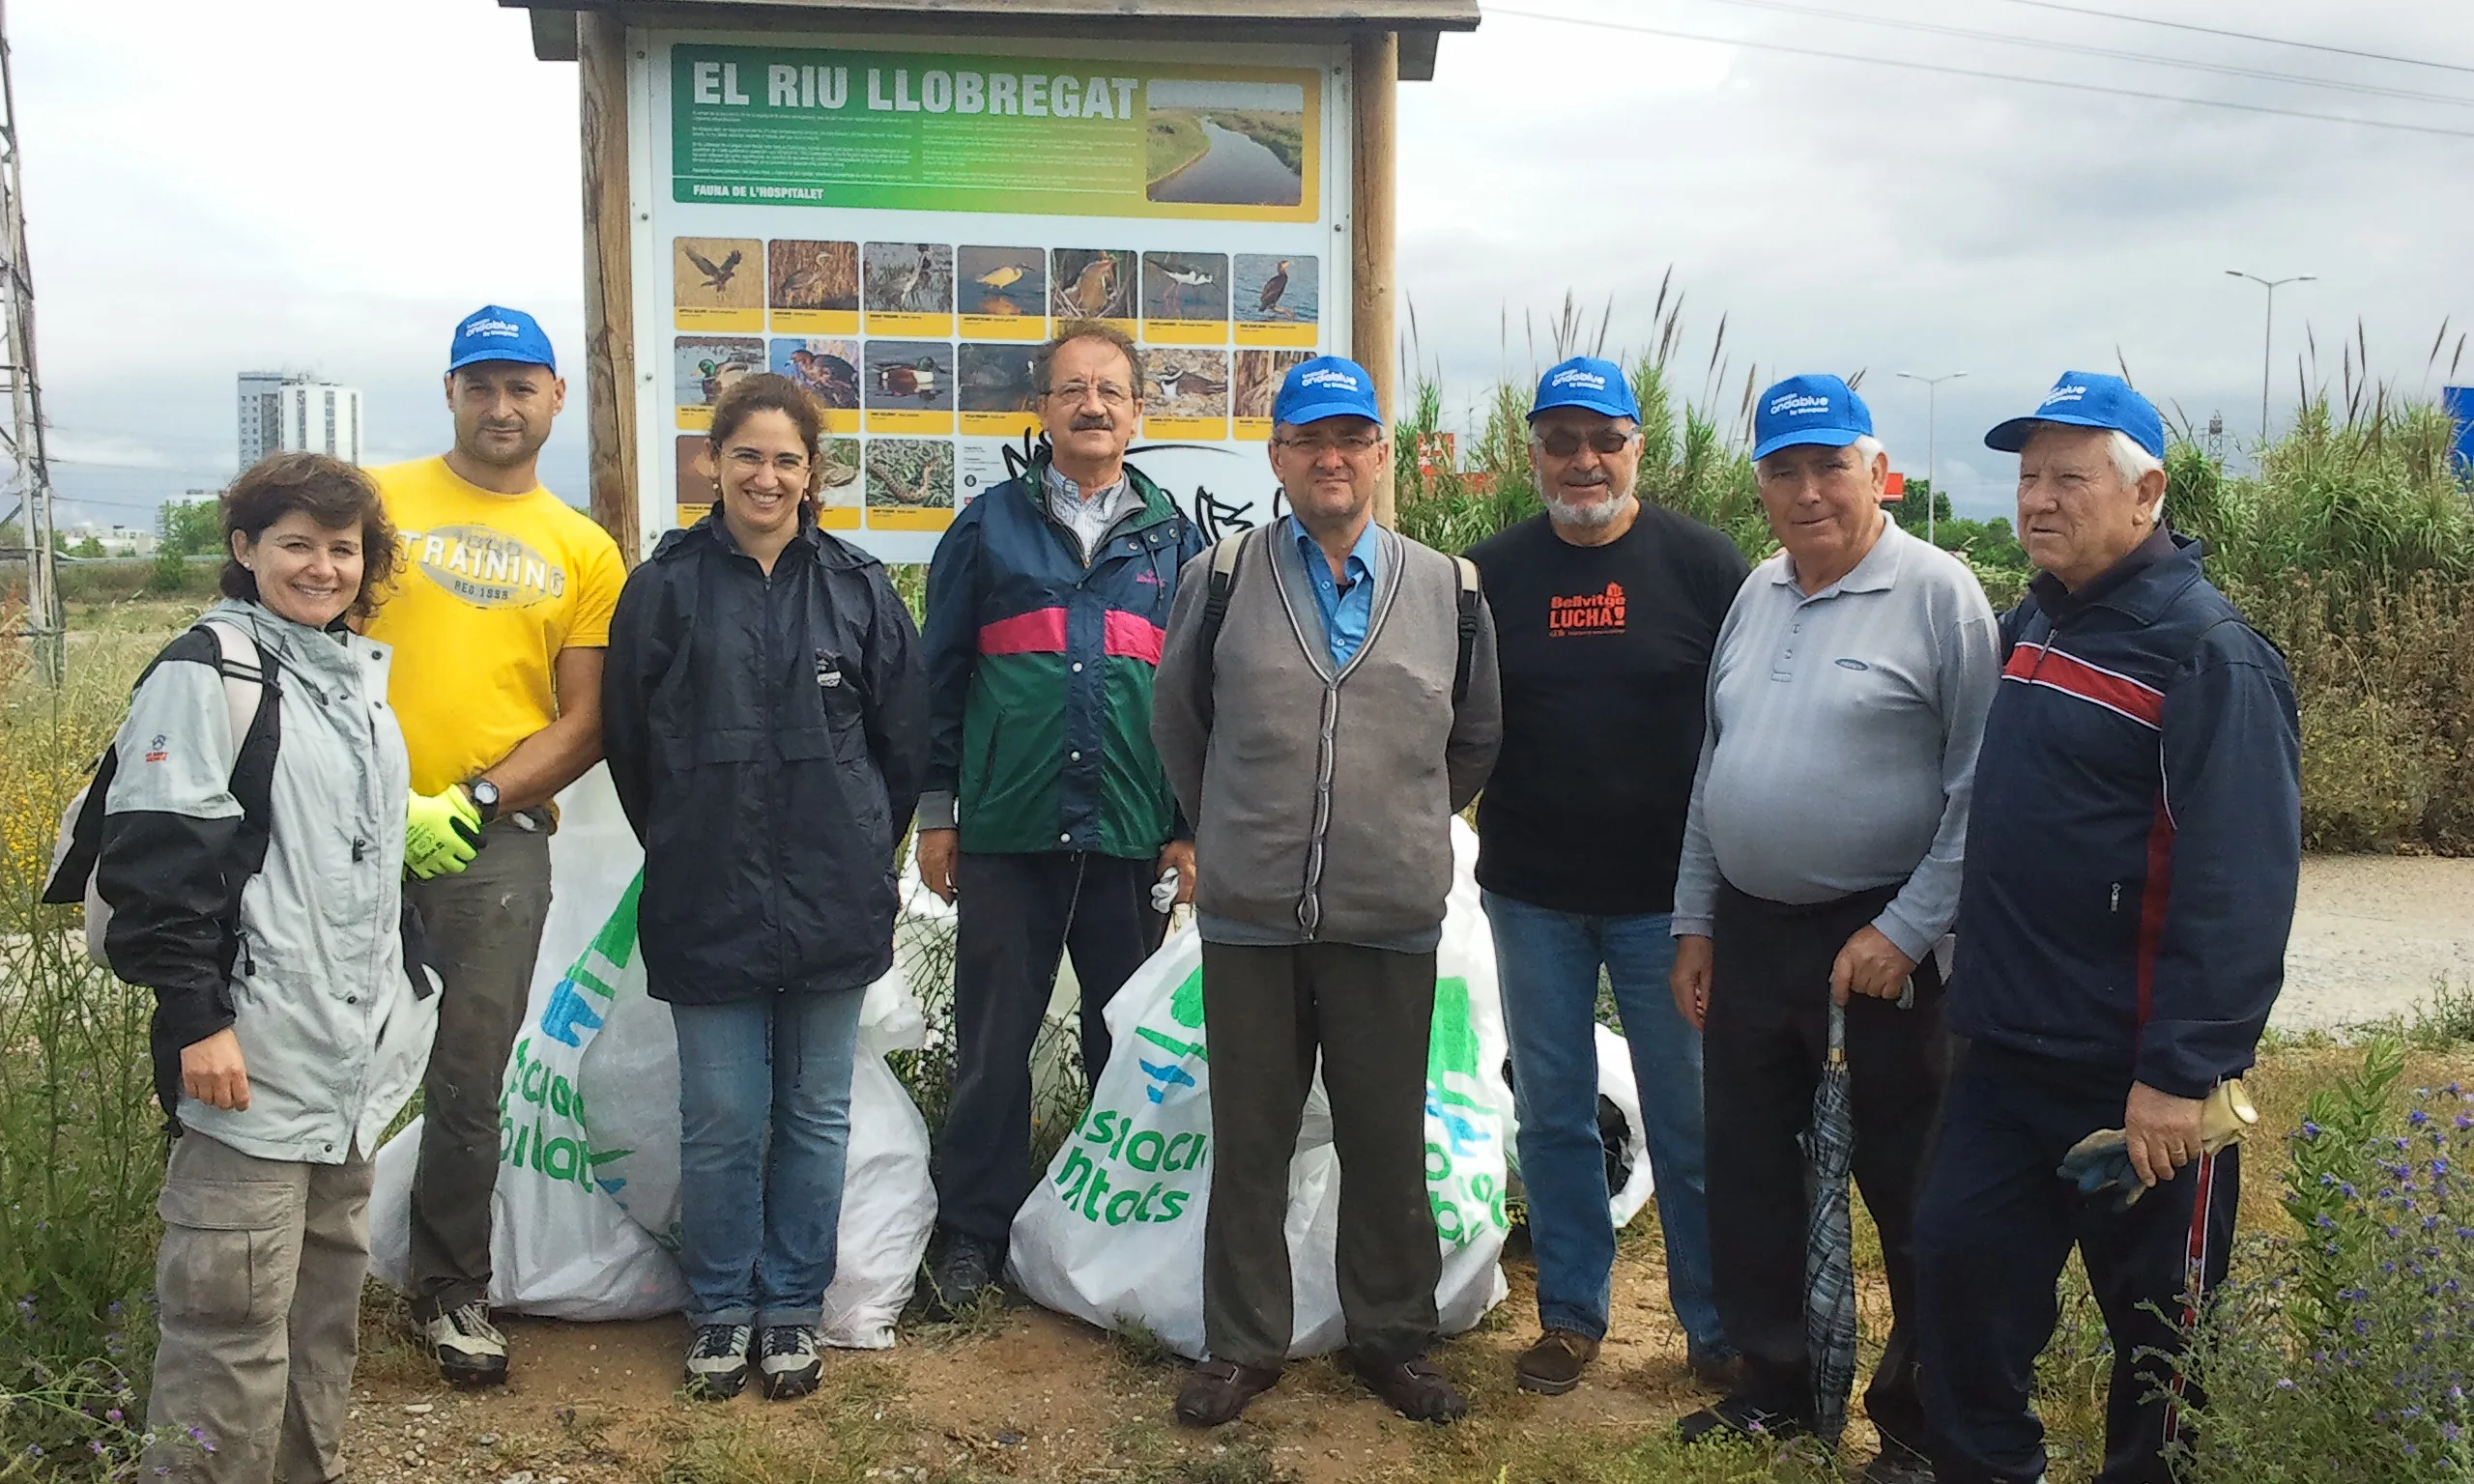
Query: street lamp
2269	340
1932	475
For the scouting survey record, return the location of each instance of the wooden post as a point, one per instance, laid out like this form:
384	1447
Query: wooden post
1375	66
609	282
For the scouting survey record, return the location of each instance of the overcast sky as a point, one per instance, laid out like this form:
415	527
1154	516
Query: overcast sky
328	186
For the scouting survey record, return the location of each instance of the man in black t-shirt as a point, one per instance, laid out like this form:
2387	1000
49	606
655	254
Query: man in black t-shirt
1606	612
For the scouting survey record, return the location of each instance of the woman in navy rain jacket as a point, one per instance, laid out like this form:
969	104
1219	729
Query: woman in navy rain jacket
765	716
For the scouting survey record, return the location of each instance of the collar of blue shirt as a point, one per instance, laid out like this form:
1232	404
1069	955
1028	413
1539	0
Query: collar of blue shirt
1361	558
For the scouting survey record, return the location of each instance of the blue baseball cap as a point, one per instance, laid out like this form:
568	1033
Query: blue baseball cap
1586	381
1326	386
493	332
1818	409
2087	399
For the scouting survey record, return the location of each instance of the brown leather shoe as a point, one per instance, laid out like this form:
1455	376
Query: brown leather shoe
1216	1391
1554	1364
1412	1387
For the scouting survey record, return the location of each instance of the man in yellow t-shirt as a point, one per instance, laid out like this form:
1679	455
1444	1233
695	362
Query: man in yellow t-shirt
499	623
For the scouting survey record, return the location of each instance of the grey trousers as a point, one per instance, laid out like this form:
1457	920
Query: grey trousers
484	930
1370	1014
259	1280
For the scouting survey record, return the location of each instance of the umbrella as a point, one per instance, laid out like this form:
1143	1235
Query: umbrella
1830	1239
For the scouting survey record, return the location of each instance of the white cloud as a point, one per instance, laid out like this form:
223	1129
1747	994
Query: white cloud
301	183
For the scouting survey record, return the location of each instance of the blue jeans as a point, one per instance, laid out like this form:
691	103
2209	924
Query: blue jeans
1548	962
763	1124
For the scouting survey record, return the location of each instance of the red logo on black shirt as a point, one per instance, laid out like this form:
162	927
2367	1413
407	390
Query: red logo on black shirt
1588	612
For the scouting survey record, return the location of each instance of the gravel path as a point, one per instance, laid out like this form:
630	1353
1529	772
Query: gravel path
2372	934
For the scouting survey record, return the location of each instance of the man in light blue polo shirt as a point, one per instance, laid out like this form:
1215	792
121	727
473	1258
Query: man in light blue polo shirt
1847	695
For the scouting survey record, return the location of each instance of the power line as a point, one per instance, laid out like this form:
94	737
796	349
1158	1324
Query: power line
2242	36
1968	72
2080	49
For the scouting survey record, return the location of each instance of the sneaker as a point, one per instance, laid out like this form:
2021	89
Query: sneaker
964	1269
717	1361
1737	1418
791	1364
1553	1365
469	1349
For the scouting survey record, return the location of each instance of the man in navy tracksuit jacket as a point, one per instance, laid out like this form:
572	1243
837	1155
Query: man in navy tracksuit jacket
2131	867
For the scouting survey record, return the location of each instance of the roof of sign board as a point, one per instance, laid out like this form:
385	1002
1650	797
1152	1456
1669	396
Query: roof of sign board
1419	22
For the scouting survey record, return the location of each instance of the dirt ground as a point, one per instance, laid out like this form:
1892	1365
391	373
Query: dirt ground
1020	1393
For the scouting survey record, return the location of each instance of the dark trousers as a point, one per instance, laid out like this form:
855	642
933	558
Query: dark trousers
1997	1225
1017	913
1266	1013
484	926
1763	1046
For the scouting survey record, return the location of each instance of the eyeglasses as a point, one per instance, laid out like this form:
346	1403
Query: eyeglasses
748	461
1564	442
1353	445
1073	393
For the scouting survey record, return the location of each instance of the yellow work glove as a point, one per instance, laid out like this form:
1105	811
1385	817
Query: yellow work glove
441	832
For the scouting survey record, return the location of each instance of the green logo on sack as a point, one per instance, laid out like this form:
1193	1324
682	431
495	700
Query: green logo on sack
1464	1143
576	1009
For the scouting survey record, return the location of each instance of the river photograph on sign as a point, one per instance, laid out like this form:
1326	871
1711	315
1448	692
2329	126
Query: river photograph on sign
1223	143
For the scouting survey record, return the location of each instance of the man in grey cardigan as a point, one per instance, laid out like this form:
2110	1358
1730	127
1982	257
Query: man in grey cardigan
1321	720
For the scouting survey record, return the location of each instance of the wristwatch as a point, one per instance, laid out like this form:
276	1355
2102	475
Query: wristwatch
485	797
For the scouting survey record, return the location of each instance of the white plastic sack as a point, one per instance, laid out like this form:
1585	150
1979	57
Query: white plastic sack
888	1202
1115	1232
558	1246
1616	1085
594	1038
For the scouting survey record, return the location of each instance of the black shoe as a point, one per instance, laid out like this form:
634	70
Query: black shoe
717	1361
1216	1391
1737	1418
960	1273
1414	1388
790	1365
1897	1463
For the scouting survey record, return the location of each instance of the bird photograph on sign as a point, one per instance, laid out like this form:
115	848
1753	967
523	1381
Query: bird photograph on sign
909	278
909	375
828	368
1186	383
812	275
1276	290
707	365
1091	283
911	473
715	272
1003	280
995	377
1257	379
1185	286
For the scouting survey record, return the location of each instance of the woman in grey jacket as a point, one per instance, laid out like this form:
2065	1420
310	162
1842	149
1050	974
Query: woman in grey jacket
287	1033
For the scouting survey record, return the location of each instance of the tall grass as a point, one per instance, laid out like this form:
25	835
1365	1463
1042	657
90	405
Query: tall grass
80	1135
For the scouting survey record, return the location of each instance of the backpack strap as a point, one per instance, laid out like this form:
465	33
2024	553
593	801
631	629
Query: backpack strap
1468	620
1221	586
251	706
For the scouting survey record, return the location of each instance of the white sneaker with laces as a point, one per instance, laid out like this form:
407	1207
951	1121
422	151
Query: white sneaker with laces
791	1363
469	1349
717	1361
